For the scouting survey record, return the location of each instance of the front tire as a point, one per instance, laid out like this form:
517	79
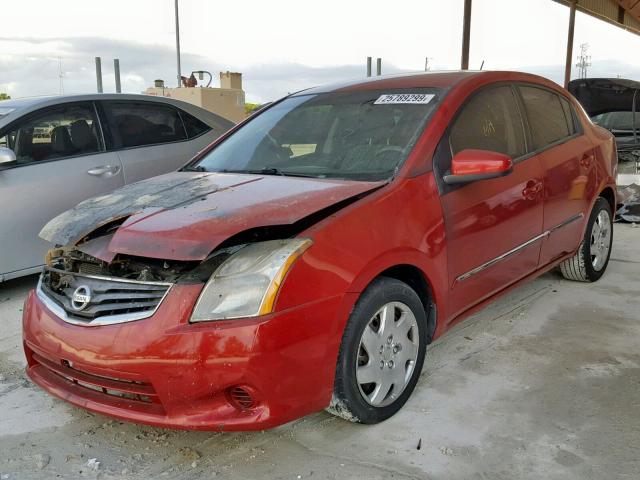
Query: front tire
382	353
592	258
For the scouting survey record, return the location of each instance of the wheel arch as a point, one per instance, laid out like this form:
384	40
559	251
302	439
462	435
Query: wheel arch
610	196
418	281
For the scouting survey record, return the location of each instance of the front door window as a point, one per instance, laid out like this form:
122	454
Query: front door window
59	132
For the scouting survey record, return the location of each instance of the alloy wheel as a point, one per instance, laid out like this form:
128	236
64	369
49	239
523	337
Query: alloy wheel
600	240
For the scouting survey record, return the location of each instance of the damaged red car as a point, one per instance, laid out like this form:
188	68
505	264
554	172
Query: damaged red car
306	259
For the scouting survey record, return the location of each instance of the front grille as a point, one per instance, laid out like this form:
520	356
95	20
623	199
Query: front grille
138	395
95	300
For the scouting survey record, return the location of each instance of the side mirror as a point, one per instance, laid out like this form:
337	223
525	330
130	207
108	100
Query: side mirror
6	156
471	165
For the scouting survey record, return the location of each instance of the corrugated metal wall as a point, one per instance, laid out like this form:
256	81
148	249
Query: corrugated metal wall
623	13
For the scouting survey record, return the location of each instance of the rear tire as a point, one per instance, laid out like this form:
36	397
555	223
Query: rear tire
592	258
381	354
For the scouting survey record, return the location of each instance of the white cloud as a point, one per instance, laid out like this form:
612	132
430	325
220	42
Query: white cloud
286	45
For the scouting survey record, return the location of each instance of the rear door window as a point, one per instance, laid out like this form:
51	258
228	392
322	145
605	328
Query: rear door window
489	121
546	115
140	124
569	115
56	132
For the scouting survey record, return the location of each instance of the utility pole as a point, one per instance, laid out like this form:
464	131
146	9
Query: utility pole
60	75
178	45
584	60
426	63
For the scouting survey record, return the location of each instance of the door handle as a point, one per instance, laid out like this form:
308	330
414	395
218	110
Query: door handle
585	161
532	189
104	170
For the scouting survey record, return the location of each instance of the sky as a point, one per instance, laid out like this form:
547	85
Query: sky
282	46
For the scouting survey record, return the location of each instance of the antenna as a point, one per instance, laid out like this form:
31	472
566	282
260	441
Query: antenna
60	75
427	67
584	60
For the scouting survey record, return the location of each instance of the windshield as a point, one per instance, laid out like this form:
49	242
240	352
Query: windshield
621	121
361	135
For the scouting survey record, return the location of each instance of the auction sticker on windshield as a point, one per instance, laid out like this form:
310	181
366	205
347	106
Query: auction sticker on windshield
398	98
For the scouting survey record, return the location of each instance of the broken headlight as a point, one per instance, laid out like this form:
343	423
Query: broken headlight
246	283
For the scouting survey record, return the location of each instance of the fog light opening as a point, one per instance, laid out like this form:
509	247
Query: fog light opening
241	397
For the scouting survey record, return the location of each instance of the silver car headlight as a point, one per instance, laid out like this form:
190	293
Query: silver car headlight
246	283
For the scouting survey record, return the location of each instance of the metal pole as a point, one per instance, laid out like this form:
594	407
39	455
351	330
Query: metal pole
572	24
178	45
116	71
378	66
368	66
99	74
466	35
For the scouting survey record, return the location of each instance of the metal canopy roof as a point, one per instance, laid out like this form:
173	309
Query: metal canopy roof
621	13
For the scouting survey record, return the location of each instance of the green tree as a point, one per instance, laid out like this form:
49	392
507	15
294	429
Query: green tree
249	108
4	96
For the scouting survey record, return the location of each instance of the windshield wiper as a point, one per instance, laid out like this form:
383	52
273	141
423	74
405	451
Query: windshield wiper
269	171
195	168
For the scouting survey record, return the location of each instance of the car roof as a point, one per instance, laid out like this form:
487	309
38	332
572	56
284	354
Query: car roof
44	101
403	80
432	79
23	106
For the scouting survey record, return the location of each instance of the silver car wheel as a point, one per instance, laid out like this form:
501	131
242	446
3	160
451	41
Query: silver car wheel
600	240
387	354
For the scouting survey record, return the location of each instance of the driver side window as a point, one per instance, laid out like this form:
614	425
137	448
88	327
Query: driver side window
7	141
54	133
489	121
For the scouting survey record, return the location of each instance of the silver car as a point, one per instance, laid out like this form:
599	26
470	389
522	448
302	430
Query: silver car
58	151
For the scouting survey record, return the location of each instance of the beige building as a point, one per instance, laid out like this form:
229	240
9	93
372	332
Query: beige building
226	101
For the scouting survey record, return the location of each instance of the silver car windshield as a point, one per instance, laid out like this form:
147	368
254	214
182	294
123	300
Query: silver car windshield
362	135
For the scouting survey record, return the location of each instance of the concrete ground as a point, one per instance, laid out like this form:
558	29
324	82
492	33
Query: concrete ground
542	384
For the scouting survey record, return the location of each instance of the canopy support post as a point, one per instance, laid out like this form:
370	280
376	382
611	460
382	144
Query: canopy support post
466	35
569	60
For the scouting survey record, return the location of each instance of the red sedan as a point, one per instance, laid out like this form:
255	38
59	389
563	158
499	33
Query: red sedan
307	258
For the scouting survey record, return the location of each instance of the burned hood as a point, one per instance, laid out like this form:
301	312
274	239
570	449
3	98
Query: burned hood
602	95
186	215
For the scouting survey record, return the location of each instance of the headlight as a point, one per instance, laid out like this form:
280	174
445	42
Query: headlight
246	283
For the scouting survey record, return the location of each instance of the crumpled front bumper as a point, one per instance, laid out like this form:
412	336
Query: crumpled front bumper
167	372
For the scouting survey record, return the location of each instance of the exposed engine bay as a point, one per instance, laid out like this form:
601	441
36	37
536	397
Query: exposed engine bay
88	291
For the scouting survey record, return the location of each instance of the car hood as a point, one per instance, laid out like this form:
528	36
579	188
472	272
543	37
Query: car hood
602	95
186	215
